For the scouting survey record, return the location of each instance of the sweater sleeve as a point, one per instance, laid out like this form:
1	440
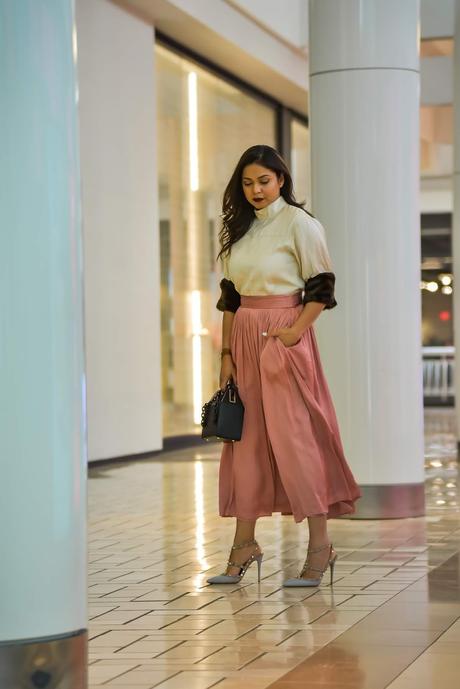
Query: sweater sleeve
314	260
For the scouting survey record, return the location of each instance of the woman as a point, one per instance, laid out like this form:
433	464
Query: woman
277	279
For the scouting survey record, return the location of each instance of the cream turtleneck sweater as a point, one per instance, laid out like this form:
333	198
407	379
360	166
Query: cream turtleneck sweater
283	248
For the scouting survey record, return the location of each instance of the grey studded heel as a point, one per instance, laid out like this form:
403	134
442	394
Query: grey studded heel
229	579
299	581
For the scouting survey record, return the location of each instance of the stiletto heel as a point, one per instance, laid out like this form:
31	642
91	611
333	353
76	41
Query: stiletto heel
228	578
332	565
259	565
300	581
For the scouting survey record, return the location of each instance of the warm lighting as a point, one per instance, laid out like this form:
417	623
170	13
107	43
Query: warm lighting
432	286
196	355
193	130
446	289
445	278
444	315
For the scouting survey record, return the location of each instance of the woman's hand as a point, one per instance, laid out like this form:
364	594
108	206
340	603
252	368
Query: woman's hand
227	371
288	336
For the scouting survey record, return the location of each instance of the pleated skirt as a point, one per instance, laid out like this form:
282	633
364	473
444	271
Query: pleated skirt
290	457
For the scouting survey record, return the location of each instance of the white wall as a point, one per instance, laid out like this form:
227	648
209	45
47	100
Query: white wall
288	21
119	190
436	195
436	80
437	18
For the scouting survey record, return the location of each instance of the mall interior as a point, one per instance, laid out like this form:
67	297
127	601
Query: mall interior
121	124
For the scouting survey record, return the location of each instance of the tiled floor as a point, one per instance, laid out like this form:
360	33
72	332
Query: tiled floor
391	620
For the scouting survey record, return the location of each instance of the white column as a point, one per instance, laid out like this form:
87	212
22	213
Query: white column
43	615
364	93
456	217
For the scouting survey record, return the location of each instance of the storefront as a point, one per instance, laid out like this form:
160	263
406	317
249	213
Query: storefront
206	119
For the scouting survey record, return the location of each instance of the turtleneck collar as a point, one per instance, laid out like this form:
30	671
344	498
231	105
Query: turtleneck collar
272	209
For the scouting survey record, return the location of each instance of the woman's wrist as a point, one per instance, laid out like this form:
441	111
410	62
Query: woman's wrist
225	351
298	330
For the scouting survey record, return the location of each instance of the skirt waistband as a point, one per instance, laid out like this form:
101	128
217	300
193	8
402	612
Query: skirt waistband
271	301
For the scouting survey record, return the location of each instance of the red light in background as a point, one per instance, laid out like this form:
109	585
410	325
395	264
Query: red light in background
444	315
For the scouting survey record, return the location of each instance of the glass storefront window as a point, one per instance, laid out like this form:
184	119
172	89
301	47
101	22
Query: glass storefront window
300	162
204	124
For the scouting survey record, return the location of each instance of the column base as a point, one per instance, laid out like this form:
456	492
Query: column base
58	662
390	501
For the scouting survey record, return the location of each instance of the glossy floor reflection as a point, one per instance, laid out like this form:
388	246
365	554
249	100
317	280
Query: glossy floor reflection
391	620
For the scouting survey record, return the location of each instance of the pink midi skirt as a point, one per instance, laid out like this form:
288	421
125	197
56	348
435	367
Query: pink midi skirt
290	457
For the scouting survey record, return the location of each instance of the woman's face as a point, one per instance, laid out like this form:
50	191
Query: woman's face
261	186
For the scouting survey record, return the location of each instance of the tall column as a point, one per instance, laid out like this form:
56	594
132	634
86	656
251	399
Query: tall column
43	614
456	218
364	114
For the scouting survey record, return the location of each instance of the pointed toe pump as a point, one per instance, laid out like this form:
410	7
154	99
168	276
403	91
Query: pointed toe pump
243	567
300	581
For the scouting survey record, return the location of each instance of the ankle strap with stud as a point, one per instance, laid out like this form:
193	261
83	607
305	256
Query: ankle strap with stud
242	545
318	550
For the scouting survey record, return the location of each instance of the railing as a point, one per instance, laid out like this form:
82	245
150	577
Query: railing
438	373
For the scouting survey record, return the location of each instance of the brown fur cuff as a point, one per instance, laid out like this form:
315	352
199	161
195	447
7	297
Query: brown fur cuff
229	299
320	288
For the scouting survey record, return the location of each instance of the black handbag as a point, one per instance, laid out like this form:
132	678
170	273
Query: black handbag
222	417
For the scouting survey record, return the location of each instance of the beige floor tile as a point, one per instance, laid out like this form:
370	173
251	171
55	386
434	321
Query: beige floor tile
99	673
191	652
97	610
231	628
120	616
149	646
193	680
153	620
298	613
286	659
311	638
229	659
142	677
193	622
224	607
273	636
115	639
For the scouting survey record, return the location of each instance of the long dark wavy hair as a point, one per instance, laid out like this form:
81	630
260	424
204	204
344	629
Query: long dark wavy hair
237	212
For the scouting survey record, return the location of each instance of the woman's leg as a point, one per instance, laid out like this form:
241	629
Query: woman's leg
317	526
244	533
319	537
